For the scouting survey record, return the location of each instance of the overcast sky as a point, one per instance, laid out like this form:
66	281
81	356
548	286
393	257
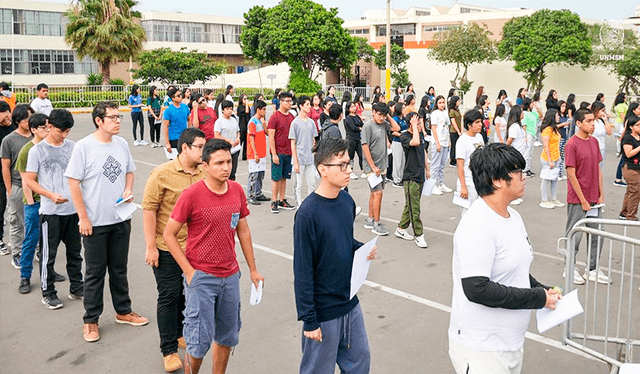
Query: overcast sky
594	9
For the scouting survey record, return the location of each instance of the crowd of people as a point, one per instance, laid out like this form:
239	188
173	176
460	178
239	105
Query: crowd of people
57	190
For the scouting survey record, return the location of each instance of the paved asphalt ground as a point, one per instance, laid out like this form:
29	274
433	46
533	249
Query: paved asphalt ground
406	303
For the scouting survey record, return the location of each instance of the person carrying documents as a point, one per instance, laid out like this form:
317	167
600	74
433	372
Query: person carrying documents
492	287
324	247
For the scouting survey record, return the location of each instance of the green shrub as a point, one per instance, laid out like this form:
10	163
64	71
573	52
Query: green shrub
116	82
299	81
94	79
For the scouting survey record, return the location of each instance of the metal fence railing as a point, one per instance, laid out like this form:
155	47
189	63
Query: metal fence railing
609	328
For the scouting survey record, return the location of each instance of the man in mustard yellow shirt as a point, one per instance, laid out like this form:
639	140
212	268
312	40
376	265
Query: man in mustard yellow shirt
164	186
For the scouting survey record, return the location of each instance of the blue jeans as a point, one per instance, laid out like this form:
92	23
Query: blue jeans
344	342
30	241
255	183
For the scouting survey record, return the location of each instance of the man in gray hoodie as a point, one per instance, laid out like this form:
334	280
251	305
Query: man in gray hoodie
330	128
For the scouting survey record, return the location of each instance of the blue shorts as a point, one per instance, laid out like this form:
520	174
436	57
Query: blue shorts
281	170
212	312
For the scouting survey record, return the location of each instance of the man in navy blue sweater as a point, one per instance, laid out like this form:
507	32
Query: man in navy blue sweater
324	246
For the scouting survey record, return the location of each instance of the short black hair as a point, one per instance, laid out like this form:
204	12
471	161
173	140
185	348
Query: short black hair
326	148
188	136
226	104
4	86
20	113
37	120
408	117
381	108
61	119
213	146
335	111
327	101
4	106
172	92
303	99
260	104
41	86
580	114
494	162
100	110
285	94
470	117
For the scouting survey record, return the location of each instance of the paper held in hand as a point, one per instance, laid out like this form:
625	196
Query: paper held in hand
566	309
428	186
459	201
171	155
374	179
255	167
256	294
360	267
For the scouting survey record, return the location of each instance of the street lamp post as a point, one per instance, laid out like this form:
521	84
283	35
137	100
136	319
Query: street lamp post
388	61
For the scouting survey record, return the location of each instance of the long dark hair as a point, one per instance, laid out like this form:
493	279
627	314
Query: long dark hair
452	92
346	96
500	109
550	120
630	123
424	103
452	103
514	117
134	90
550	95
566	108
596	107
219	100
229	87
520	92
502	93
151	92
479	94
620	98
438	99
599	96
633	106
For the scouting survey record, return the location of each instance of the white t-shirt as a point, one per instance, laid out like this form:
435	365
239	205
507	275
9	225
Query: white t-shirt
486	244
441	119
227	128
43	106
507	107
519	138
465	146
600	133
503	130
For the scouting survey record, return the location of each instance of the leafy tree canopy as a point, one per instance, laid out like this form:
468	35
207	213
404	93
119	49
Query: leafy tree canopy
618	51
399	58
176	67
545	37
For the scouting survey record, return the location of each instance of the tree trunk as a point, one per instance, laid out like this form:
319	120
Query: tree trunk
105	70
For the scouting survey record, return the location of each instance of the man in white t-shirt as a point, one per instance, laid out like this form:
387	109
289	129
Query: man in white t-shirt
492	287
467	143
227	128
42	104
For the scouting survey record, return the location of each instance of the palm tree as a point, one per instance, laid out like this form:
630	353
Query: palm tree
104	30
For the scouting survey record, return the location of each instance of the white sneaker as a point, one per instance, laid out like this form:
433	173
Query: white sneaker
143	142
421	241
563	178
547	205
403	234
136	143
557	203
443	187
597	275
537	144
516	202
364	176
577	278
436	190
353	176
358	210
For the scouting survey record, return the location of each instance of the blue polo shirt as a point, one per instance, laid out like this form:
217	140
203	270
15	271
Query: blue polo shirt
178	118
135	100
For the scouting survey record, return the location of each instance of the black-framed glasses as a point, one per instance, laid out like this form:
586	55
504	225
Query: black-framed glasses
114	117
199	146
343	165
517	171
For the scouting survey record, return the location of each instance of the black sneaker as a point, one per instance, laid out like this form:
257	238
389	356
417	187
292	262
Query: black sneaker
262	198
59	277
275	207
3	249
253	201
77	295
25	285
622	217
284	204
16	262
52	302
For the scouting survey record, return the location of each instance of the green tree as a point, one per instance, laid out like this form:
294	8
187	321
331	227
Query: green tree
178	67
365	52
104	30
399	58
463	46
618	51
298	31
545	37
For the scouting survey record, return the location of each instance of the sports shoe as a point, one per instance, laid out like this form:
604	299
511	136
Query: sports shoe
398	185
402	234
262	198
172	362
529	174
79	295
368	223
622	217
136	143
577	278
436	191
143	142
453	165
52	302
358	210
3	249
284	204
443	187
90	332
253	201
132	318
15	262
557	203
562	178
619	183
597	275
421	241
353	176
363	176
547	205
275	208
59	277
379	229
25	285
516	202
537	144
181	343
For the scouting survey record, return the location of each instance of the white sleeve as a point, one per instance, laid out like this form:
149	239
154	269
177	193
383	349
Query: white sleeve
474	250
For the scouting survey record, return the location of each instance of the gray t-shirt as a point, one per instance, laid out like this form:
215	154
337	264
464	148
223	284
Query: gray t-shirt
101	169
10	149
227	127
304	132
375	136
43	106
50	162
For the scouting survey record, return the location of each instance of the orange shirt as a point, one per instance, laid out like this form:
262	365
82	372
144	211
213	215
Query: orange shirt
554	144
256	129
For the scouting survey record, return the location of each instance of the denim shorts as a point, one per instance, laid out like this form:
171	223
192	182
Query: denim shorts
281	170
212	312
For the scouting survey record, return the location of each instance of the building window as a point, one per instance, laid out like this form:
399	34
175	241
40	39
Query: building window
399	29
423	13
359	32
191	32
31	22
469	10
43	61
436	28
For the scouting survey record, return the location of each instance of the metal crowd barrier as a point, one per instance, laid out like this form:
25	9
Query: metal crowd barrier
609	328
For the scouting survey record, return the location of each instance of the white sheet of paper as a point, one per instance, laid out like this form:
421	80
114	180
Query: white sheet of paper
566	309
125	211
172	155
629	369
374	179
593	212
236	149
360	267
388	151
459	201
428	186
256	294
549	174
254	166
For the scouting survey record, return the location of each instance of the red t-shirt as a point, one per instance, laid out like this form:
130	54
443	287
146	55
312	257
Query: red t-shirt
255	129
211	220
281	123
584	156
314	114
207	118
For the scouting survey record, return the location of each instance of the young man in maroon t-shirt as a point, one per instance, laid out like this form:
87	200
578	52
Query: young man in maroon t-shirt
280	147
582	156
214	210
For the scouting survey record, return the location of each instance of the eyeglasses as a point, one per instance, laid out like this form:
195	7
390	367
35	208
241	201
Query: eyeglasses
287	101
199	146
114	117
200	101
517	171
343	165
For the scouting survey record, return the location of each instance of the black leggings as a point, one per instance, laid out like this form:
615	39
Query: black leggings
355	147
137	118
154	129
